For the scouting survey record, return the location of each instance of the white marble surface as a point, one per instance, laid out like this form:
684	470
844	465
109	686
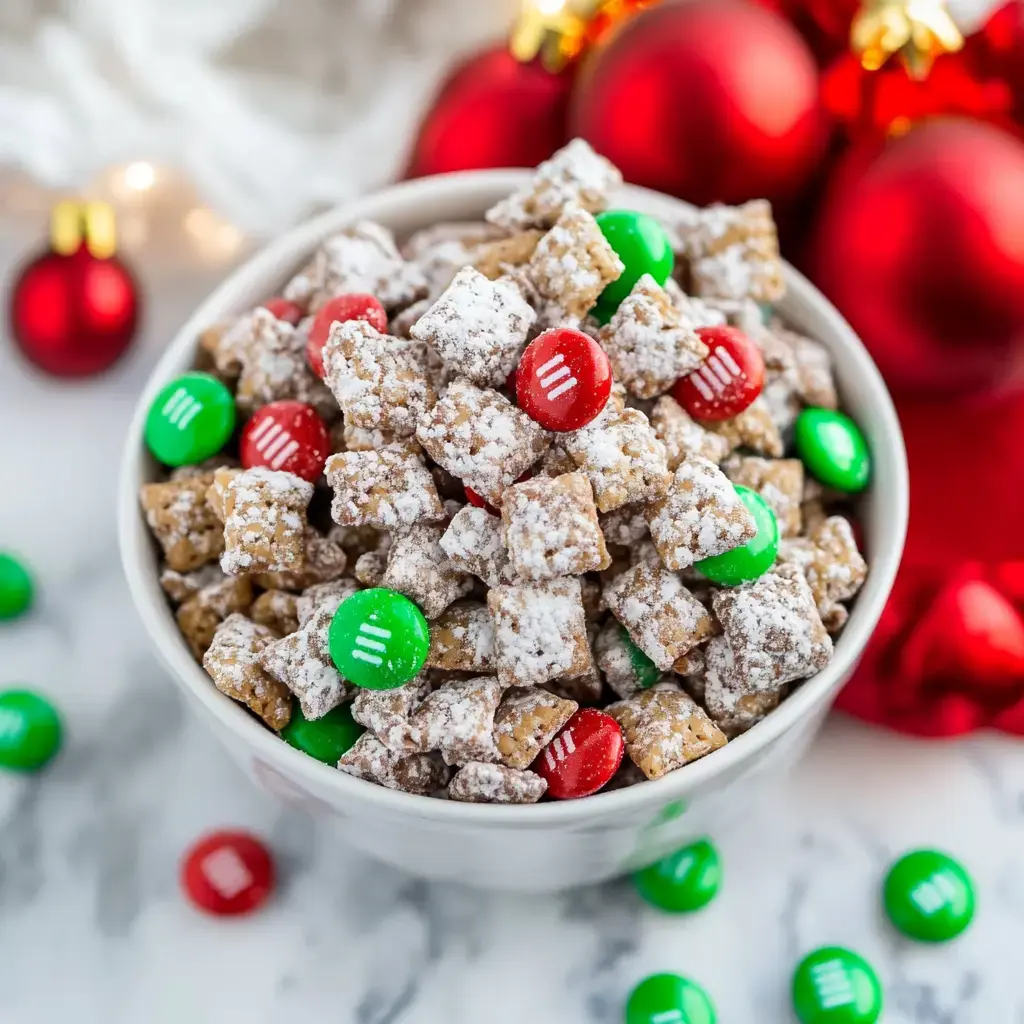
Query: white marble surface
93	929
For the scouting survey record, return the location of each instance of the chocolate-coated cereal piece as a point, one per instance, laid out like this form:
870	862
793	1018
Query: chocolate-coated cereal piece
482	783
682	435
458	720
386	713
753	428
462	639
779	481
277	609
319	594
202	613
473	542
183	524
526	721
372	761
419	568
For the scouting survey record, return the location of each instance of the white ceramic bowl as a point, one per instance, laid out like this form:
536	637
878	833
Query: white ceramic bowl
558	844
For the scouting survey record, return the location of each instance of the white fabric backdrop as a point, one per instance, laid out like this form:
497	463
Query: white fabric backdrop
268	107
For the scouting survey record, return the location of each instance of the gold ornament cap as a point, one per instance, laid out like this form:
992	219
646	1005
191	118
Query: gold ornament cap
73	222
917	31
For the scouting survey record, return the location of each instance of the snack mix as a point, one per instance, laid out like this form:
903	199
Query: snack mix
513	527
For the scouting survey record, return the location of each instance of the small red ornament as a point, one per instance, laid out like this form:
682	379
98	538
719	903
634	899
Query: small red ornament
919	247
75	309
729	379
492	111
712	100
583	757
998	51
228	873
286	436
563	379
284	309
342	308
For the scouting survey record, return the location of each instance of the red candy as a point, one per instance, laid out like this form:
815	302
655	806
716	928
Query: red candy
284	309
728	381
228	873
583	757
288	436
475	499
339	310
563	379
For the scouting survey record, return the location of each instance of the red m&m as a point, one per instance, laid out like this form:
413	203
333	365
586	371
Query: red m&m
288	436
340	309
284	309
583	757
563	379
228	873
729	379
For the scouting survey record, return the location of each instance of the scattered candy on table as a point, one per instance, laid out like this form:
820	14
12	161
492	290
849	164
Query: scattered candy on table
228	873
287	436
684	881
563	380
833	985
729	380
30	730
583	757
191	419
16	589
379	639
833	449
669	999
325	738
929	896
644	248
753	559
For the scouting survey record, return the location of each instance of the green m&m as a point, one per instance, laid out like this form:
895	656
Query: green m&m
833	449
929	896
643	246
755	557
15	587
669	999
30	730
833	985
378	639
325	738
191	419
645	671
686	880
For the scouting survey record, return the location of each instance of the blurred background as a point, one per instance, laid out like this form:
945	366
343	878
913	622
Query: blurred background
890	137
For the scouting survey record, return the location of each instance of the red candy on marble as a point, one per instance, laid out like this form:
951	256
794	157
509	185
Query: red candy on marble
341	308
563	379
728	381
228	873
288	436
583	757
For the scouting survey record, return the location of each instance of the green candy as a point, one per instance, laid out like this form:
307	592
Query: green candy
686	880
643	246
833	985
191	419
378	639
755	557
15	588
30	730
929	896
644	669
833	448
669	999
327	738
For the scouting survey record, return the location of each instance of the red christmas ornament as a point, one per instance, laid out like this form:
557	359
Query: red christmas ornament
492	111
713	100
583	757
228	873
998	51
284	309
728	381
75	308
286	436
920	249
354	306
825	24
563	379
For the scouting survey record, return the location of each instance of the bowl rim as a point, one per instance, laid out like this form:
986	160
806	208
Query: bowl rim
474	191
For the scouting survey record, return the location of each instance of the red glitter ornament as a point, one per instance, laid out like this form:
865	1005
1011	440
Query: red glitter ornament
74	309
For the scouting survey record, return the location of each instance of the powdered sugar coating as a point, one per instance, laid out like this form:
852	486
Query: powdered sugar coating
265	522
419	568
495	784
682	435
380	382
774	631
478	327
753	428
700	515
458	720
372	761
462	639
184	525
624	526
320	593
389	488
180	586
613	658
473	542
526	722
540	632
779	481
233	664
481	438
201	614
663	618
724	696
651	342
277	609
386	713
574	175
550	528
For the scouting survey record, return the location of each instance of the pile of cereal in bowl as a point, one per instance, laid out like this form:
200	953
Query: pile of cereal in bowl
528	508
